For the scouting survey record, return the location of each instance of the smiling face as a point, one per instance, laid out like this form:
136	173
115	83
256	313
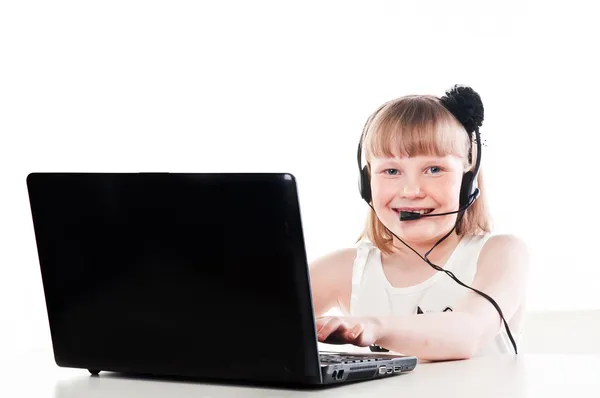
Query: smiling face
416	152
425	184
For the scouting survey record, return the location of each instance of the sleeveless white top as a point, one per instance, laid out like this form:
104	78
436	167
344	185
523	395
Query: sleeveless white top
373	295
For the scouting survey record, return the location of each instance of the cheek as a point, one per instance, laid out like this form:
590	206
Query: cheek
447	193
383	192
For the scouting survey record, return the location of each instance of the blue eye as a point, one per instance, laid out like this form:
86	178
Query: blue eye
439	169
391	172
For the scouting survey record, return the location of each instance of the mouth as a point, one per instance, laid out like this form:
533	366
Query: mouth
420	210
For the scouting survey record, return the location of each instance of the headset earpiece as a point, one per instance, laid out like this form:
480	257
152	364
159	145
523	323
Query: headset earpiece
466	188
364	179
365	184
469	189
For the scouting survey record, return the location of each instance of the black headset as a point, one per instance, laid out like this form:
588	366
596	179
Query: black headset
469	192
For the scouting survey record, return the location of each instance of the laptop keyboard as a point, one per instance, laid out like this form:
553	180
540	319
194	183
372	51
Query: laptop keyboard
348	358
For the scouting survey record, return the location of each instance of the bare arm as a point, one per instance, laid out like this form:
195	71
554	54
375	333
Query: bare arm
330	279
501	273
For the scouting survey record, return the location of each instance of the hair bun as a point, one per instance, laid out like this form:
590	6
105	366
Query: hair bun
465	104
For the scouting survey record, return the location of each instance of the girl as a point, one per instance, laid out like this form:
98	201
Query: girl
417	149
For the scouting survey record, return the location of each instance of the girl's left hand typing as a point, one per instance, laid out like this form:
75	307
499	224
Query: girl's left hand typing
357	330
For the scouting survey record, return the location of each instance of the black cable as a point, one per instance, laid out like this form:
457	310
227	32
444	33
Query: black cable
451	275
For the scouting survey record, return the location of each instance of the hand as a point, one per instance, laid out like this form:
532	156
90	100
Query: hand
356	330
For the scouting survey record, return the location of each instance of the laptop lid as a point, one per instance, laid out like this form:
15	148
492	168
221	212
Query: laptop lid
201	275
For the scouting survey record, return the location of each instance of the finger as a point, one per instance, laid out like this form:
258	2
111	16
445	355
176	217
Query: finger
328	328
353	332
366	338
320	322
342	324
323	322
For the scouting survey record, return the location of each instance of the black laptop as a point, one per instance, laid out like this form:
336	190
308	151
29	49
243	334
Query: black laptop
186	275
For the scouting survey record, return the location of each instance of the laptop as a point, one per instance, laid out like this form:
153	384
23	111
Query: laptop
185	275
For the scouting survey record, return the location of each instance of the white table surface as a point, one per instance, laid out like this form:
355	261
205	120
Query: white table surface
506	376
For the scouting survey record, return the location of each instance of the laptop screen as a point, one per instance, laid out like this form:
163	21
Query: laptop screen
197	274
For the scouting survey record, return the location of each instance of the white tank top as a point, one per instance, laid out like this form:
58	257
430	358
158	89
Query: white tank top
373	295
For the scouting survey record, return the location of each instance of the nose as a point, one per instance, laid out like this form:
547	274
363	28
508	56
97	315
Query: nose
411	190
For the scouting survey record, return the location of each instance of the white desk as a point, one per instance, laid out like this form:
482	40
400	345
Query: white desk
525	376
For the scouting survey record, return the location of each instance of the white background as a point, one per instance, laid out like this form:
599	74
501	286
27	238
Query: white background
190	86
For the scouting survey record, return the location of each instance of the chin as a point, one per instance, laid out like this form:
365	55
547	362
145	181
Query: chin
420	231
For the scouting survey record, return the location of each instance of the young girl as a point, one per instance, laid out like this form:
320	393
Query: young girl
417	149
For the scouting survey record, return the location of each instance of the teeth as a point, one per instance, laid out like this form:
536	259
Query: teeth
419	211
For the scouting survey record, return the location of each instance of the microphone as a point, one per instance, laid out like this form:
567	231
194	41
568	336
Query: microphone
411	215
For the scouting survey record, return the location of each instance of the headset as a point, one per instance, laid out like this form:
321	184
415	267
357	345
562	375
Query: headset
469	192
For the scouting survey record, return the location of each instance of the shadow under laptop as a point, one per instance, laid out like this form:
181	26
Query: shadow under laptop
218	382
117	385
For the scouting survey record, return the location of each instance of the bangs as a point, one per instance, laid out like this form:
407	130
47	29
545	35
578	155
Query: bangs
413	126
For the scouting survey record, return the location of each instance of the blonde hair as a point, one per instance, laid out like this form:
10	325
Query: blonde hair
420	125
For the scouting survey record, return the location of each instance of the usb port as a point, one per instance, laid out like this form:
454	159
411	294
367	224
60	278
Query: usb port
397	369
390	370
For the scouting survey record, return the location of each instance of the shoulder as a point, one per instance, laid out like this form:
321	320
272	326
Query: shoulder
504	253
342	257
335	268
505	245
335	259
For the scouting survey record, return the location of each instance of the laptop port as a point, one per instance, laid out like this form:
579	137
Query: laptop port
334	374
340	374
390	370
382	370
397	369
